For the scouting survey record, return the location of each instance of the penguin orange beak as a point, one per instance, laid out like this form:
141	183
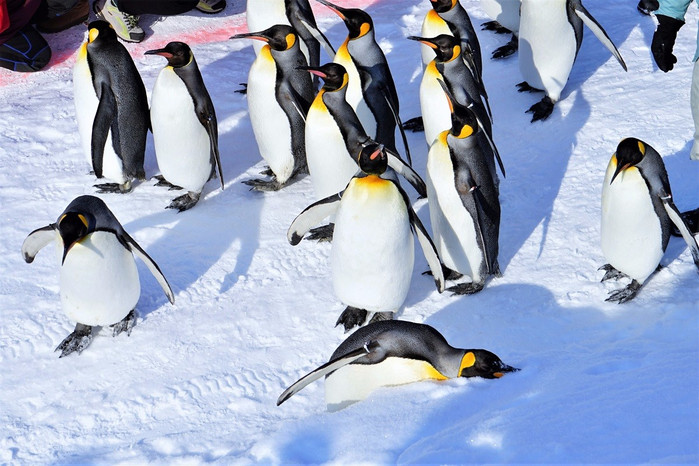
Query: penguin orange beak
376	153
251	35
313	70
161	52
423	40
338	10
619	169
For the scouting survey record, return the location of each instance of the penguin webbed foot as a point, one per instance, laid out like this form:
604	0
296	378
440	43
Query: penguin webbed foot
267	172
125	325
78	340
611	273
625	294
258	184
506	50
351	317
162	182
525	87
243	90
184	202
321	234
466	288
494	26
416	125
449	274
542	109
379	316
115	188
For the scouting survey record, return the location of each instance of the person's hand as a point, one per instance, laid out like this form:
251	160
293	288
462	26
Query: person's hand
664	41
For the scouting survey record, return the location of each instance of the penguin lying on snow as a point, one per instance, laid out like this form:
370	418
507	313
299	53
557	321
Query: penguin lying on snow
99	280
372	253
185	130
111	107
637	216
394	352
550	35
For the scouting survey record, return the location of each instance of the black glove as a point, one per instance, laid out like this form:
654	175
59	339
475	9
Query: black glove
646	6
664	41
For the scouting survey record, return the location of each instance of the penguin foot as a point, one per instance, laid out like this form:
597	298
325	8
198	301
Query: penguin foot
267	172
379	316
165	183
611	273
542	109
125	325
466	288
625	294
506	50
184	202
351	317
321	234
76	341
243	90
264	185
415	125
525	87
449	274
117	188
496	27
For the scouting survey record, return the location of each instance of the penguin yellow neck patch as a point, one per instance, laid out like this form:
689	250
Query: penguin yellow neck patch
318	103
465	132
290	40
642	147
364	29
92	35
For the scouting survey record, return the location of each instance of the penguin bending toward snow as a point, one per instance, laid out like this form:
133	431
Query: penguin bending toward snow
372	251
184	124
464	202
394	352
111	106
278	100
637	216
99	282
505	14
550	35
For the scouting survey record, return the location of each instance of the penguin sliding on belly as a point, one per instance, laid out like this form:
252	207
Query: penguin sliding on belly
185	130
112	109
279	96
99	282
637	216
372	252
550	35
394	352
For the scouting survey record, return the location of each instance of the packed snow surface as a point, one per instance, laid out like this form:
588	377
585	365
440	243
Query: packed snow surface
197	381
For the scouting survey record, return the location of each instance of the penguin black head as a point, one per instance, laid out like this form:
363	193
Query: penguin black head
442	6
280	37
463	120
446	47
372	158
629	152
178	54
334	75
74	226
102	30
358	22
483	363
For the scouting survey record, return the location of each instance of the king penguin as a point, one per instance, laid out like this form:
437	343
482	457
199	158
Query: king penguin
637	216
111	109
185	131
459	23
464	202
372	253
394	352
550	35
279	96
99	282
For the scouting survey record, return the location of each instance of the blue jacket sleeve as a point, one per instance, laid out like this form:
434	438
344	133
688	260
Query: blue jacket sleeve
673	8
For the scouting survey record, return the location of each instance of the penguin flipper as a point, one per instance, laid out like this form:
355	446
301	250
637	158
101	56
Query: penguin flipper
407	172
676	218
152	266
207	118
320	37
36	240
325	369
492	145
598	31
399	123
312	215
104	121
428	249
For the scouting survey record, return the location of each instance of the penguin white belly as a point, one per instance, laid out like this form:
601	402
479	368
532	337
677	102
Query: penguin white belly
453	228
99	280
269	122
505	12
436	116
547	45
330	165
630	230
372	252
432	26
262	14
355	382
354	94
182	145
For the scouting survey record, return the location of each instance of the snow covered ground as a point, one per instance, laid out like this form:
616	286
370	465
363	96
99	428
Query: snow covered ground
197	381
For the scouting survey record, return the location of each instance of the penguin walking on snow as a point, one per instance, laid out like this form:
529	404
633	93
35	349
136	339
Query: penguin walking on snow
185	130
637	217
550	35
464	202
112	109
394	352
99	282
279	96
372	252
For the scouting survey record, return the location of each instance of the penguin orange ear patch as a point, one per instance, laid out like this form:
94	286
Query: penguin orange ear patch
642	147
364	28
290	40
83	219
467	361
456	51
92	34
466	131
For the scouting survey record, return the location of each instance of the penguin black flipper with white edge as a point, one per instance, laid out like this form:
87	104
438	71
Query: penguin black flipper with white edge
597	30
312	215
676	218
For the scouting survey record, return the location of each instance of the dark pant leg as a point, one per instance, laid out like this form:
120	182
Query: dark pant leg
25	51
156	7
52	8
